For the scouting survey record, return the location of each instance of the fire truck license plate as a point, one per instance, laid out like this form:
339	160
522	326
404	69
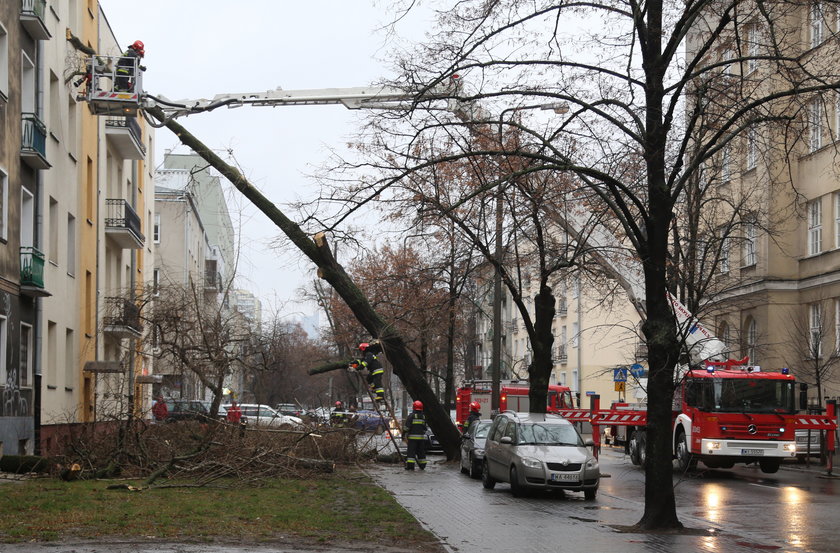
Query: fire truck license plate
558	477
752	452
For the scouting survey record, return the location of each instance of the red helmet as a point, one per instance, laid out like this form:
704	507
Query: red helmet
338	404
418	405
363	346
138	46
475	406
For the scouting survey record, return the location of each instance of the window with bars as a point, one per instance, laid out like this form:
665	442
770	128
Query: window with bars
752	148
816	25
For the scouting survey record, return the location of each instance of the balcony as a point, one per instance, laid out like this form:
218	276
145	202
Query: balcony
125	136
122	225
122	318
32	273
33	142
32	18
212	282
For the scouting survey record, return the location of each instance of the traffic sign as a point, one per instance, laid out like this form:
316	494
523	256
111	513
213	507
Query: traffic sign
619	386
637	370
620	374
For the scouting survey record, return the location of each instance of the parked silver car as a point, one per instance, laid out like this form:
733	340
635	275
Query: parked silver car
539	452
263	415
472	447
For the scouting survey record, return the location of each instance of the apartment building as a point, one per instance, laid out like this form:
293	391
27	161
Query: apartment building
194	237
778	281
591	337
73	253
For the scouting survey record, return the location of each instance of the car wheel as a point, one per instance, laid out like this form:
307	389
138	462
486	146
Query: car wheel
770	465
685	460
590	494
464	470
486	480
475	468
638	455
515	486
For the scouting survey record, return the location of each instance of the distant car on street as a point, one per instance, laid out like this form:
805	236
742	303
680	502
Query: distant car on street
190	409
262	415
538	451
291	409
472	447
368	420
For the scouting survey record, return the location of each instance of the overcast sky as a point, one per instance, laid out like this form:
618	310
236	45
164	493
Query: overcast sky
200	48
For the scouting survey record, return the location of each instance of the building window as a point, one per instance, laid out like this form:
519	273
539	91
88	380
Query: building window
752	49
815	331
4	205
69	359
837	219
749	249
156	229
814	227
4	376
25	355
815	124
4	64
71	245
727	57
752	148
725	244
156	282
816	24
726	164
752	337
836	326
575	332
52	254
52	354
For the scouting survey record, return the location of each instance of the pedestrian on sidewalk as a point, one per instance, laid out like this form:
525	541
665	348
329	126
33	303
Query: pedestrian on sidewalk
415	433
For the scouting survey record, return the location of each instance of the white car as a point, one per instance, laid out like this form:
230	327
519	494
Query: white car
263	415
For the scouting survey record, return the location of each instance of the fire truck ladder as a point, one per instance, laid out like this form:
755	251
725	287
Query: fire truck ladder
390	410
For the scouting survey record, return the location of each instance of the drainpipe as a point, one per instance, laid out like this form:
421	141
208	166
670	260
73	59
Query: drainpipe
579	337
36	241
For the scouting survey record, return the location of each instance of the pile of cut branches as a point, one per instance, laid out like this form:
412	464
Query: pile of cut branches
191	453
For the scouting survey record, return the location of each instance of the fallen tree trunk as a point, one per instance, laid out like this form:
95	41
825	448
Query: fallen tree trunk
329	269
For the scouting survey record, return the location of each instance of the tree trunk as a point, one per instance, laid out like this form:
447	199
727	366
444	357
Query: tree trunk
541	366
330	270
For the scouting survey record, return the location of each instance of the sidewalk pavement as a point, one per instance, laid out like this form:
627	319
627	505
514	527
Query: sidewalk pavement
469	519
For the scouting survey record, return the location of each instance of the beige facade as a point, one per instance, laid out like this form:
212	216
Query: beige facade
779	300
591	338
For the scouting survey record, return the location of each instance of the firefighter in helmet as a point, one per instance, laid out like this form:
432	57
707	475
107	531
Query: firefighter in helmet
415	433
475	414
338	416
128	67
375	370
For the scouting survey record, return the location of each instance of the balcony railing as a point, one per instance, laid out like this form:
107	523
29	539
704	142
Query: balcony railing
31	267
33	141
126	136
122	317
212	281
32	17
122	224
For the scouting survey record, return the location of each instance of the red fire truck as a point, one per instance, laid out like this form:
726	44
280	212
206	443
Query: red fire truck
513	395
725	413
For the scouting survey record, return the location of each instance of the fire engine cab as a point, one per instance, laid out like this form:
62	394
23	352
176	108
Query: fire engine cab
513	395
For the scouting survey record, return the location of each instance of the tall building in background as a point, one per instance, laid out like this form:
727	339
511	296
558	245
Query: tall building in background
249	305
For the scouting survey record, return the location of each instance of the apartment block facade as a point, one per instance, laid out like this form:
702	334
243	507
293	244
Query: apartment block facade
73	252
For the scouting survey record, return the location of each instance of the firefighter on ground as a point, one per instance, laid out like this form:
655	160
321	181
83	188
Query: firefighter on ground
415	434
338	416
375	371
475	414
129	66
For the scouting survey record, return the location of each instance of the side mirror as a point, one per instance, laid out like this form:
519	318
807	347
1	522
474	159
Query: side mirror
589	442
506	440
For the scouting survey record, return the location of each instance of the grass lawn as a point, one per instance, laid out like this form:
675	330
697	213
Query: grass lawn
342	507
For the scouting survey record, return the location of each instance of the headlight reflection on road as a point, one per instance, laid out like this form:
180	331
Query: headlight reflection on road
712	497
795	517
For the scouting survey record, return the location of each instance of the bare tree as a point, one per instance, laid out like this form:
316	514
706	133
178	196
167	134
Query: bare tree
813	345
659	95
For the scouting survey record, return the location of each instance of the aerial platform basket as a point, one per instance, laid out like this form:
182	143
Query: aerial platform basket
114	85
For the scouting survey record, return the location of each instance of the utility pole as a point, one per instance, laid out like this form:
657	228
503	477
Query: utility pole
496	359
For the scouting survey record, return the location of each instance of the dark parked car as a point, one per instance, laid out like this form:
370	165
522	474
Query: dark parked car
290	409
537	451
472	447
190	409
369	421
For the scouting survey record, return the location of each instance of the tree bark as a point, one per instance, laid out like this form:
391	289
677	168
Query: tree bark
329	269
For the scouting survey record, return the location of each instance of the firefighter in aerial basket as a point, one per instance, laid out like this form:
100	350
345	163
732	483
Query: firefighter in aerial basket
415	434
375	371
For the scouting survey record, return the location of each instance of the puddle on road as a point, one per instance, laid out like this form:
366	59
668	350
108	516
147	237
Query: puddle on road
585	519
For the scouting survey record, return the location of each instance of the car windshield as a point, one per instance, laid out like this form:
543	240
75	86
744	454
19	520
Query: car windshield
482	430
548	434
